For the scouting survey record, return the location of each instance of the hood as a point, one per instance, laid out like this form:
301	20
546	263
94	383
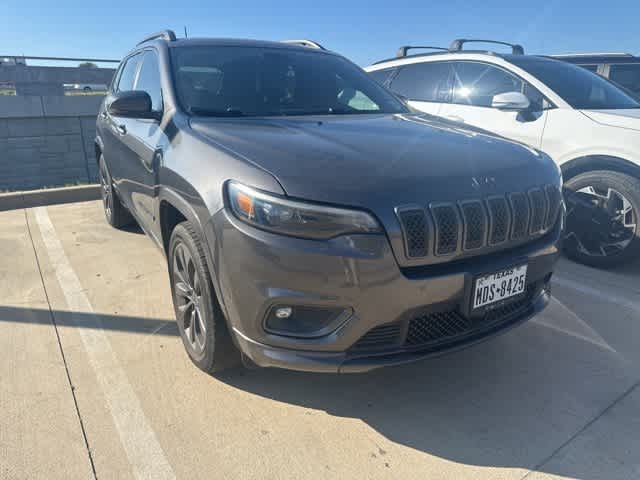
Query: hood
623	118
393	160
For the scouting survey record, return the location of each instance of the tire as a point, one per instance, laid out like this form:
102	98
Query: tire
116	214
622	193
204	334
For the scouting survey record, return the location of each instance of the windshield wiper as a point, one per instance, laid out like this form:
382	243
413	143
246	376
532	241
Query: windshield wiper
327	111
206	112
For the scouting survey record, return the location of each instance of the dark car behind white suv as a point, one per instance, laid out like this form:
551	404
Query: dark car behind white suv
621	68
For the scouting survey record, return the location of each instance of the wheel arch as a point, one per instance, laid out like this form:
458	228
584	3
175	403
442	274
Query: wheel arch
588	163
174	209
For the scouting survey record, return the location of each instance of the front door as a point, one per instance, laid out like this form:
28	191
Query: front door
117	146
474	84
145	138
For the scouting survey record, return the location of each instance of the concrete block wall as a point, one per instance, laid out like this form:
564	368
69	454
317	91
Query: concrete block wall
47	141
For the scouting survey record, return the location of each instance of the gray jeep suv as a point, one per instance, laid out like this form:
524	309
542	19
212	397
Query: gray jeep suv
310	221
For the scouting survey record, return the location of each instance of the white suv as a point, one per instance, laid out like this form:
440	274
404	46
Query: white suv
586	123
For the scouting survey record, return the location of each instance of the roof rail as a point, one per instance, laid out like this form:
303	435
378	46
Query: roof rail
612	54
59	59
402	51
456	45
304	43
167	35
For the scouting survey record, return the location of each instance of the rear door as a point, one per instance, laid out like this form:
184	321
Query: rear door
425	85
474	84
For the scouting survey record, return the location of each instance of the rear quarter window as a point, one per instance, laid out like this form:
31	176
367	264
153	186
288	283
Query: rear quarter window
381	76
426	82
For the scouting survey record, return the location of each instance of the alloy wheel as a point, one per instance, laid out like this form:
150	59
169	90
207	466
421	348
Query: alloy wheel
602	223
188	298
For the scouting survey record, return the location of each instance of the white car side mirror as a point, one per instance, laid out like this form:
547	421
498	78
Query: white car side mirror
510	101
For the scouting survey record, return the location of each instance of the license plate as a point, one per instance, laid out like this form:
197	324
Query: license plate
499	286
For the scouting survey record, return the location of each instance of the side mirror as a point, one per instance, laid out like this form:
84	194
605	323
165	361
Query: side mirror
132	104
510	102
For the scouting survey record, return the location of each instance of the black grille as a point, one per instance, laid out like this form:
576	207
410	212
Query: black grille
538	202
436	327
475	225
520	210
472	225
414	225
509	310
379	337
447	229
499	215
442	327
555	202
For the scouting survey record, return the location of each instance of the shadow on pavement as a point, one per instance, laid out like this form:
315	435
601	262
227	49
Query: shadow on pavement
507	403
510	402
89	320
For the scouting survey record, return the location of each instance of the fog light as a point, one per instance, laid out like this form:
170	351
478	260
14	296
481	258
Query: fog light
305	321
283	312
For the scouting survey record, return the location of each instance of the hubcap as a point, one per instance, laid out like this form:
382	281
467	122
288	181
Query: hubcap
600	222
188	298
107	194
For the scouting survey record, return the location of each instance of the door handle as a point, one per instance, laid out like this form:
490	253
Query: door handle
122	130
454	118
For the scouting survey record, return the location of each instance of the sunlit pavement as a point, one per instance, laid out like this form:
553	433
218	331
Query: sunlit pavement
94	381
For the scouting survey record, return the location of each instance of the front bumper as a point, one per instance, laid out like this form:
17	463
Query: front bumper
256	270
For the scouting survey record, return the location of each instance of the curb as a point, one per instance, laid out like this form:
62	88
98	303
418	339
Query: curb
51	196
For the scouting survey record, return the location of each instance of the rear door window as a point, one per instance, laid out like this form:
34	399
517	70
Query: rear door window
425	82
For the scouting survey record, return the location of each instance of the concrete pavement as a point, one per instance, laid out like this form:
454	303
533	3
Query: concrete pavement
90	349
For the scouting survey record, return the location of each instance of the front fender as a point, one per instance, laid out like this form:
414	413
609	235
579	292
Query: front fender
599	161
199	218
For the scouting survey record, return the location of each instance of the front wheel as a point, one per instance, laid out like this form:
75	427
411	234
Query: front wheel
201	323
603	209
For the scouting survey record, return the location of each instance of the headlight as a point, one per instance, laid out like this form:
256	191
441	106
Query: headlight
294	218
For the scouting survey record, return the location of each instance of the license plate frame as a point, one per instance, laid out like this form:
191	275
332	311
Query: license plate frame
501	293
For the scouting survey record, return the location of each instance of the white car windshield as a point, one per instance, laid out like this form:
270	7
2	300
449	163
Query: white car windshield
577	86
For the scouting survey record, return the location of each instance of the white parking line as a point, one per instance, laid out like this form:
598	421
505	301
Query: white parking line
601	294
138	439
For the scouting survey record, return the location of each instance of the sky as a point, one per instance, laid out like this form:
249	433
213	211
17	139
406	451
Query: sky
364	31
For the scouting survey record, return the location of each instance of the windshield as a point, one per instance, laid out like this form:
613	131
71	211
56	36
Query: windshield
256	81
577	86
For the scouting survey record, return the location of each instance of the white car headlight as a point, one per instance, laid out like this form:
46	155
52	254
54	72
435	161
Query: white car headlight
295	218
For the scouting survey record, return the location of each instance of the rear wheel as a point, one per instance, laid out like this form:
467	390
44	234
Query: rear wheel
116	214
603	228
201	323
